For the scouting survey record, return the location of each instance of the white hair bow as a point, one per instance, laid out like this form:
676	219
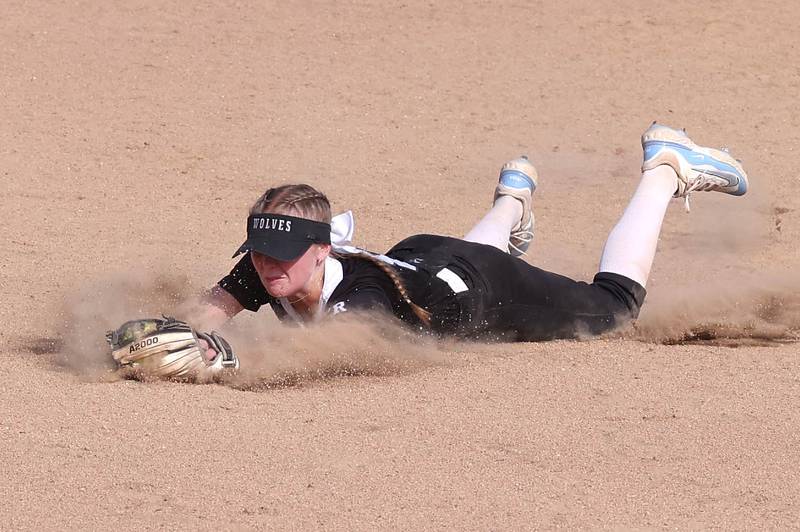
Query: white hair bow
342	227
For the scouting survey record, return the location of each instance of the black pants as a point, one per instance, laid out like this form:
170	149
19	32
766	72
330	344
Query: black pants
508	299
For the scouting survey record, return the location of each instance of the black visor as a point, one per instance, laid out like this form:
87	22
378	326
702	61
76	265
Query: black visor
283	237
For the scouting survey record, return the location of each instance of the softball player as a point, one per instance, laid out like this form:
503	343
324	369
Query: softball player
470	287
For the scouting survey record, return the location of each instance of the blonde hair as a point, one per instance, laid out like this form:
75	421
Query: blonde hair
307	202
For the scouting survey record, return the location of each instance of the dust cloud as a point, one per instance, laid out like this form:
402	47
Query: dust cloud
271	354
275	355
103	305
758	309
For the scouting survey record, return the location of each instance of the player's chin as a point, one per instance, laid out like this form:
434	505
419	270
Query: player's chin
279	288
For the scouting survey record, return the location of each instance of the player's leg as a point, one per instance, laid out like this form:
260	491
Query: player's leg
483	291
513	300
508	226
494	229
673	166
631	245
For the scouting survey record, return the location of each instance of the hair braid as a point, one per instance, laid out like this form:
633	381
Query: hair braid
303	197
391	272
300	200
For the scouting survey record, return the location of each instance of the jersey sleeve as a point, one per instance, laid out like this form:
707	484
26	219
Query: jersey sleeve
245	286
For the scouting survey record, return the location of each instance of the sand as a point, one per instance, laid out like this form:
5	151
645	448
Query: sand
134	136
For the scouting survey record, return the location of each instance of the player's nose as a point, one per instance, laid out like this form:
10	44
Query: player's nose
266	264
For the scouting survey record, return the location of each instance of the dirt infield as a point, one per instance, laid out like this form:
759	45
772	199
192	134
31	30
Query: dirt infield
135	135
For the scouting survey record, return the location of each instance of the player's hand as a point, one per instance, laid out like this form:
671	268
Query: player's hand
209	353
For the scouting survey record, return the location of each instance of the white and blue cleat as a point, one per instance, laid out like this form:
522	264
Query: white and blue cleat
699	169
518	179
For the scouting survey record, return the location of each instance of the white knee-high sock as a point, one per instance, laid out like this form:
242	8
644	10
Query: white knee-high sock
631	245
495	228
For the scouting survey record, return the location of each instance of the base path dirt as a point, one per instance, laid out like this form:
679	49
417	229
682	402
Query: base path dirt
134	137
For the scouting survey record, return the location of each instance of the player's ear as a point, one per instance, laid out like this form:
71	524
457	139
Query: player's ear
323	250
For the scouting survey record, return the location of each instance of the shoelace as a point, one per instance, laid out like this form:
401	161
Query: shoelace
525	236
703	182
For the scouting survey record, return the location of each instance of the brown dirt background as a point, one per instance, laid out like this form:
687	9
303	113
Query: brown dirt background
134	136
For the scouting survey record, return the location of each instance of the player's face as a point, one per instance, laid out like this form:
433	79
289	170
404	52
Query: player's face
289	278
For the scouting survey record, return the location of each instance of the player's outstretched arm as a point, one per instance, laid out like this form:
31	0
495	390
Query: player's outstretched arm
212	309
